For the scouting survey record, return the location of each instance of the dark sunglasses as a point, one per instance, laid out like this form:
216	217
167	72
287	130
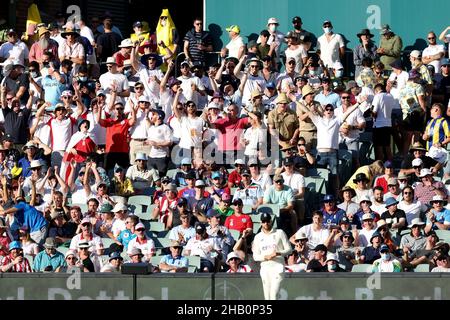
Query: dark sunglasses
346	97
431	38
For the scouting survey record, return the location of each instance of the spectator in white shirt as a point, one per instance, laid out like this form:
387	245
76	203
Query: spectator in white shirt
160	139
433	53
236	47
330	46
113	80
143	179
139	130
191	128
14	49
192	86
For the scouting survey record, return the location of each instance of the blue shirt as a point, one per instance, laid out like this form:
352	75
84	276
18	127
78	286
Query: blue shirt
125	236
333	218
332	98
179	262
25	165
53	89
441	217
30	217
43	260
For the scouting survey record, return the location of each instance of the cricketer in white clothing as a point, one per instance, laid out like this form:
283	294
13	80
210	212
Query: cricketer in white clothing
269	247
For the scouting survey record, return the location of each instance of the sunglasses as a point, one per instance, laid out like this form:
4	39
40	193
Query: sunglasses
109	66
66	97
71	258
253	66
191	105
328	109
163	18
140	230
431	38
120	109
151	58
407	192
346	97
85	224
291	62
138	88
279	182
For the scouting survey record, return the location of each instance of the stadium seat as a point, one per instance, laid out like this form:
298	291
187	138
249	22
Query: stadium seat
124	255
171	173
235	234
256	226
162	243
107	242
156	260
362	268
194	261
444	235
140	203
323	173
247	210
269	208
424	267
344	164
156	226
62	249
256	218
192	269
30	259
147	214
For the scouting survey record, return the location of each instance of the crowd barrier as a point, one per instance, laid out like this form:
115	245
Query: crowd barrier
317	286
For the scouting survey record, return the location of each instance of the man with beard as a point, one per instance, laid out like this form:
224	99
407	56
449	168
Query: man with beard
43	44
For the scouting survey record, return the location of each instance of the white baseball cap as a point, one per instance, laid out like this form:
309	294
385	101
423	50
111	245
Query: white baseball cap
272	21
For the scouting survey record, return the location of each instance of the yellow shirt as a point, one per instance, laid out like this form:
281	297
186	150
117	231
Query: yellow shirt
366	171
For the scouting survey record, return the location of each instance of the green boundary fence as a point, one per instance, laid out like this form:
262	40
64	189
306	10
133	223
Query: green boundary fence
351	286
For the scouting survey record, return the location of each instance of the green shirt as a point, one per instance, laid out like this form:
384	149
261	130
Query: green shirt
282	197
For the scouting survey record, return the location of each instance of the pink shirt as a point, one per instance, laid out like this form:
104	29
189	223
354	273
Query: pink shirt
230	133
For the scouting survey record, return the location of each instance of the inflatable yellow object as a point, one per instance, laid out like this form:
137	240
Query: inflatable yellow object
33	19
165	33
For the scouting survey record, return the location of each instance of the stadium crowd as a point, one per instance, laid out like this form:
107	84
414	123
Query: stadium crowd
114	150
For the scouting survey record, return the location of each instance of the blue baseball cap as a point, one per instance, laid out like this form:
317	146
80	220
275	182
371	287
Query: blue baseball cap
216	175
329	198
270	85
115	255
213	213
384	248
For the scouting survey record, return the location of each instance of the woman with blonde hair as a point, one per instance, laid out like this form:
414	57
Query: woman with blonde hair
29	247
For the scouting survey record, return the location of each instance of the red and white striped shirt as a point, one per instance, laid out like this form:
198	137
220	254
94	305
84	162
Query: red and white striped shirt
24	266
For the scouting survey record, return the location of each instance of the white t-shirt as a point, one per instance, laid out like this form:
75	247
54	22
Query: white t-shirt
97	131
327	132
329	51
355	118
412	210
61	132
96	242
401	79
17	51
139	130
295	181
118	226
151	87
298	54
159	133
364	237
186	85
383	103
432	50
233	46
42	129
121	81
191	132
253	83
166	102
314	237
257	138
